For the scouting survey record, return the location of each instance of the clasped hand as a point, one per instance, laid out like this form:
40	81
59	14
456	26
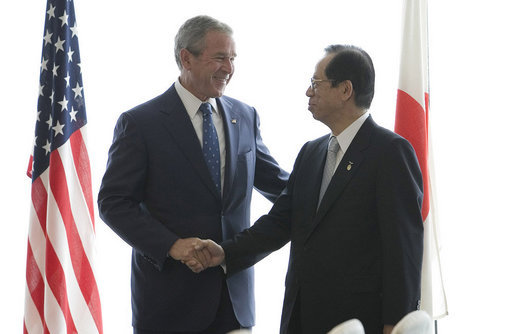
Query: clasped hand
197	254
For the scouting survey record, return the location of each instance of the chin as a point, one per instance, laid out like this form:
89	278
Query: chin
218	91
215	93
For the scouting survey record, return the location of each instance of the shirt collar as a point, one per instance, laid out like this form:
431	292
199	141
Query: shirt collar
345	138
191	102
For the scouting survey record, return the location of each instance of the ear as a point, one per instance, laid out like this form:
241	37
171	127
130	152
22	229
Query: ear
346	89
185	58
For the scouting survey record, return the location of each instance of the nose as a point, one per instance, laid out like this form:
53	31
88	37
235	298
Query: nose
228	65
309	92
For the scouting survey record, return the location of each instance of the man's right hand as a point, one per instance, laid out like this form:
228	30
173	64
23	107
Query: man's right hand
207	254
184	250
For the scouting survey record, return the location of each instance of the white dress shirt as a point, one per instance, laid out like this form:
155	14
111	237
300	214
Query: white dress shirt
345	138
192	104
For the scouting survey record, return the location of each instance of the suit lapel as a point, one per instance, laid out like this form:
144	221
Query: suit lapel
345	171
231	127
181	129
316	161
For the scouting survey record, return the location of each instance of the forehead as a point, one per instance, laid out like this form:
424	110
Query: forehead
319	71
219	42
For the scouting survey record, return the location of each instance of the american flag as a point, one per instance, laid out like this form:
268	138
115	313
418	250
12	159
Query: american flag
61	293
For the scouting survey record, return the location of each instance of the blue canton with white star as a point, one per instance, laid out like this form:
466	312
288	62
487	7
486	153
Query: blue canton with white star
61	110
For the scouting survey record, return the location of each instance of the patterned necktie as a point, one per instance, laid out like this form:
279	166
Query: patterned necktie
211	148
330	166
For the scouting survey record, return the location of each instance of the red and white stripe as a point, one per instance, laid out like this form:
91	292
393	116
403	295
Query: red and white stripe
61	292
412	122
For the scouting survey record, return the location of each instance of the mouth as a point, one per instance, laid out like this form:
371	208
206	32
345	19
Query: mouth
311	107
221	80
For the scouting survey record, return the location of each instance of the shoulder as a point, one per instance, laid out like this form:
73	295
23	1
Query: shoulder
381	144
153	109
234	106
395	150
384	137
158	103
315	146
234	102
323	140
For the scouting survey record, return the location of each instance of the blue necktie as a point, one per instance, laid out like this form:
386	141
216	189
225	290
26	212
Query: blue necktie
211	148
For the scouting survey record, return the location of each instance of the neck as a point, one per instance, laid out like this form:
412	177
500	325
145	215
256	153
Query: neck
186	83
344	120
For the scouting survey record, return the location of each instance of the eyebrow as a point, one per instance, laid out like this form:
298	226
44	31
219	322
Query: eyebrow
222	54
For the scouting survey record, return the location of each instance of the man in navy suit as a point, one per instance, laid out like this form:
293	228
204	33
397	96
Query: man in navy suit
351	209
159	192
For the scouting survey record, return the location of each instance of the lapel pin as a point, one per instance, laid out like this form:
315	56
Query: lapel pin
349	167
234	121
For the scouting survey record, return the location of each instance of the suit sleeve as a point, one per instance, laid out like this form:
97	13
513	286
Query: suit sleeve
121	197
270	179
269	233
399	200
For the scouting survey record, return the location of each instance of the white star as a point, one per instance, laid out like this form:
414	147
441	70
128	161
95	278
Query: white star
64	104
67	78
58	44
74	30
58	129
54	70
35	141
48	38
47	147
52	96
38	113
51	11
80	65
49	122
77	90
70	54
64	18
73	114
41	89
43	64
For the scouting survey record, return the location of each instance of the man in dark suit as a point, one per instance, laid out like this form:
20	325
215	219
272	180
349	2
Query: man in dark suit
176	172
351	209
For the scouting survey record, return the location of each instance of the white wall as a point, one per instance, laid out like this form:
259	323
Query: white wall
126	50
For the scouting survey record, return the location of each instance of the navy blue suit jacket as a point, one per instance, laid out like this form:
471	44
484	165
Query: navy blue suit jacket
359	254
157	188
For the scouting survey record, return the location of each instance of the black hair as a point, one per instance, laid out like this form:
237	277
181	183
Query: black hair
353	64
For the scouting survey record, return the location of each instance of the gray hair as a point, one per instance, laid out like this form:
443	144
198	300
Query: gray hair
191	35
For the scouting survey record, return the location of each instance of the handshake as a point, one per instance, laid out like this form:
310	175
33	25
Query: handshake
197	254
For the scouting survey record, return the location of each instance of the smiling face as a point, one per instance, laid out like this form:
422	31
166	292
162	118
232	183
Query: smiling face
206	75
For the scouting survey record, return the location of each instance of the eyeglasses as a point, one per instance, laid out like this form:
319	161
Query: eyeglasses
314	82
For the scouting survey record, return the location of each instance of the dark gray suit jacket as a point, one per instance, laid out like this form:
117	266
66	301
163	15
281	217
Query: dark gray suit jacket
359	255
157	188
